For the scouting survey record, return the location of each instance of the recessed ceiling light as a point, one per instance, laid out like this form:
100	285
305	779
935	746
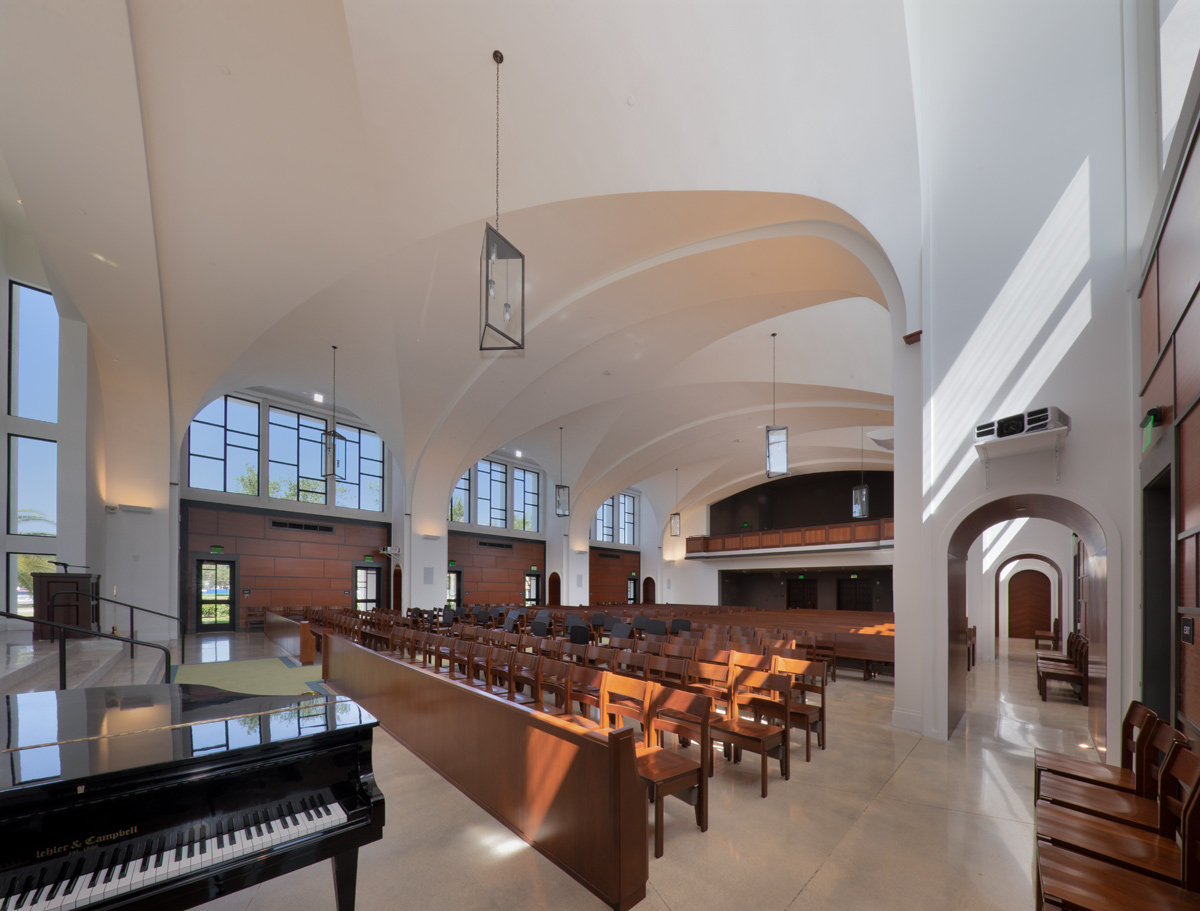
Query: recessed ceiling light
104	259
317	397
1101	749
518	453
607	373
1085	746
19	203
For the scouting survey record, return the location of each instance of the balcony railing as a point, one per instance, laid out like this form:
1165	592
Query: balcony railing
868	532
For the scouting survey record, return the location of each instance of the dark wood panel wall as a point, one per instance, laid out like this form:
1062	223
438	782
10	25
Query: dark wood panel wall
608	574
1170	374
281	567
493	567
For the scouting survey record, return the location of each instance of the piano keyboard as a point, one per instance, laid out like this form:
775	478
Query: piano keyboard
102	873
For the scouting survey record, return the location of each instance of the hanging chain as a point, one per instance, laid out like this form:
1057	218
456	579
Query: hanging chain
772	377
560	460
498	145
334	347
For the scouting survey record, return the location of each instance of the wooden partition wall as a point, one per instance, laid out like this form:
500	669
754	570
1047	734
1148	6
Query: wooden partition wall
1170	380
572	794
295	637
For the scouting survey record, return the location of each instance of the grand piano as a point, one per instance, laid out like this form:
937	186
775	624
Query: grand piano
169	796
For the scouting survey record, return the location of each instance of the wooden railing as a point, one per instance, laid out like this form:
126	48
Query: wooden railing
574	794
871	531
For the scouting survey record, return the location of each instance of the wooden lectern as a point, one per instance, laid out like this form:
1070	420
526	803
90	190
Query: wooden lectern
78	609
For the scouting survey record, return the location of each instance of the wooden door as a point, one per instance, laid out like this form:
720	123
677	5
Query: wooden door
854	594
554	590
801	594
1028	603
648	592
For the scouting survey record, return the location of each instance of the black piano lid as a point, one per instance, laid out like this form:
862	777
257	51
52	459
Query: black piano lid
62	735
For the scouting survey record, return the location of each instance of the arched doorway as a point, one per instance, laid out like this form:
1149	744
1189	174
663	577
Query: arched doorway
397	587
1094	590
648	590
1028	603
553	590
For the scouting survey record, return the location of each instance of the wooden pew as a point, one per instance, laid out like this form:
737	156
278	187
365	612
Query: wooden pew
294	637
574	795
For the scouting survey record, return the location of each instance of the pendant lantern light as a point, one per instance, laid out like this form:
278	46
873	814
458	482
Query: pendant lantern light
501	272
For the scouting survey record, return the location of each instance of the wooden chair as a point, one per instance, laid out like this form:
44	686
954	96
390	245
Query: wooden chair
1072	639
674	711
626	697
1051	635
712	655
1073	882
1137	724
601	656
826	651
575	652
525	678
671	671
1120	806
807	680
738	734
1075	673
1156	854
556	678
630	664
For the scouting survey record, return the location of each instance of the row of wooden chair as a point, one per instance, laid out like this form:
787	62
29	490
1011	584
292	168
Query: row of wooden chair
1121	838
1071	668
712	674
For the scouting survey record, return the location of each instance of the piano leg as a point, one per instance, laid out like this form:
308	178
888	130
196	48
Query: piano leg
345	879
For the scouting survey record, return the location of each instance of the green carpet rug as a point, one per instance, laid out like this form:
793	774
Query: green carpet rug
257	677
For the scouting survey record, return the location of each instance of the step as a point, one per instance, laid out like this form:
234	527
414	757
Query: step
87	662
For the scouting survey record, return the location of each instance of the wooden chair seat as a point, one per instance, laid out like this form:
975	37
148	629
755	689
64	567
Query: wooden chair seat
1071	881
1073	767
1107	803
1125	846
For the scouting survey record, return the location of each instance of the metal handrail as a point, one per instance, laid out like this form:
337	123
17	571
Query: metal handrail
62	644
132	607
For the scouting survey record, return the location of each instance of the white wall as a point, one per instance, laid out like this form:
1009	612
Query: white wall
1026	297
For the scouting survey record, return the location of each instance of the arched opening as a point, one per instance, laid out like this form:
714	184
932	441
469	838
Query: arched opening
1058	610
648	590
553	590
397	587
1093	582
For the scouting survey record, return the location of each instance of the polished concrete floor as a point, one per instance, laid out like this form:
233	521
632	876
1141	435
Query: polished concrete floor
882	819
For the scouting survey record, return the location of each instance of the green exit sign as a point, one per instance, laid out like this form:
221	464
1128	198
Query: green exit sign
801	576
1147	436
533	569
854	575
452	563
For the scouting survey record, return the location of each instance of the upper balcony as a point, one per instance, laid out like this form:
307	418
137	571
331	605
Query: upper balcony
867	534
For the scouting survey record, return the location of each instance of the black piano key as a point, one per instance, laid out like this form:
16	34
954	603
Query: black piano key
202	837
230	834
324	804
162	847
26	890
292	814
249	829
191	843
281	816
178	847
80	865
124	870
147	855
60	880
97	870
267	823
220	834
39	885
111	870
304	806
258	829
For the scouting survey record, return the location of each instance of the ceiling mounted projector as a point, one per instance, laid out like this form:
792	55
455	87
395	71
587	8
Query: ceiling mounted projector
1038	428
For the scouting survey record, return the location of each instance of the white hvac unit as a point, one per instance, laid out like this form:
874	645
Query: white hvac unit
1038	428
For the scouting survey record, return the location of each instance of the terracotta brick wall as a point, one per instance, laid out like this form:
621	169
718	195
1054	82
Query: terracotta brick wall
282	567
608	572
491	574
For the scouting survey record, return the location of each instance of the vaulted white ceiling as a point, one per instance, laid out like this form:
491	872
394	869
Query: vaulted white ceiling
224	189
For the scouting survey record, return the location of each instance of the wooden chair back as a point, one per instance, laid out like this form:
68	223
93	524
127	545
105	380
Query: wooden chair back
685	714
712	655
754	660
622	644
1148	771
1137	718
630	663
601	656
625	697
